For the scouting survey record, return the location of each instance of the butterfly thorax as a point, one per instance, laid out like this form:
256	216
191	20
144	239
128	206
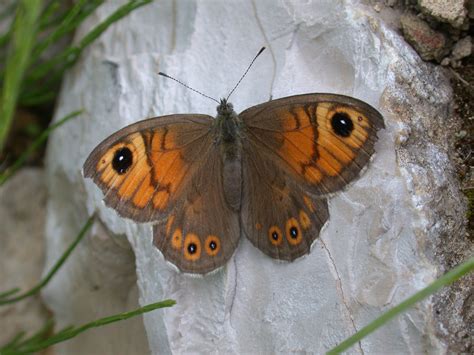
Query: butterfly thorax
227	123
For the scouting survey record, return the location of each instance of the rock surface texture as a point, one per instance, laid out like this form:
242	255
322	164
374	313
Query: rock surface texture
22	212
428	43
453	12
378	246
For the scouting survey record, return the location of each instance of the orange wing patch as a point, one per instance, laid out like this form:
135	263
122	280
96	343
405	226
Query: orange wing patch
336	146
327	162
299	141
136	174
169	167
161	198
177	239
309	203
298	147
144	193
313	174
304	220
294	118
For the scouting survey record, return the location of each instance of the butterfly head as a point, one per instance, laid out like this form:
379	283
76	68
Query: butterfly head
225	108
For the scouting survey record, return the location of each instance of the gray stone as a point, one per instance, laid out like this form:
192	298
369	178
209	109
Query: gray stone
462	49
453	12
98	280
445	62
22	250
470	8
390	3
428	43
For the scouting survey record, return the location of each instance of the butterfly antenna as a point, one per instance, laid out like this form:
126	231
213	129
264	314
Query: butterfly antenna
186	86
248	68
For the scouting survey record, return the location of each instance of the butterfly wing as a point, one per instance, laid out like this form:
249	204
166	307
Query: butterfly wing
296	151
144	166
166	170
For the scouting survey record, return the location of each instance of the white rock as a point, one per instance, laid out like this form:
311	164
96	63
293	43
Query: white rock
371	254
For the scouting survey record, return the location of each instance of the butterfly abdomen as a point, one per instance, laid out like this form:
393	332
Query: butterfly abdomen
232	181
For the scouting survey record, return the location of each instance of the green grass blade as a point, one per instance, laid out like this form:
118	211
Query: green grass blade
12	344
69	56
40	335
4	38
23	35
55	268
36	143
57	31
50	14
9	292
72	332
114	17
69	22
39	97
8	11
445	280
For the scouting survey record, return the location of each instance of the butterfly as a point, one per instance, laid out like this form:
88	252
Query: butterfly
266	173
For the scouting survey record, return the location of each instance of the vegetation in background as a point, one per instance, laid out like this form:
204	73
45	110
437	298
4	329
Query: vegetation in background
32	62
22	36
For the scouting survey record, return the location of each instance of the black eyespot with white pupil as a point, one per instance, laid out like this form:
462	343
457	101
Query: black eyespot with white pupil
122	160
294	232
192	248
213	245
275	236
342	124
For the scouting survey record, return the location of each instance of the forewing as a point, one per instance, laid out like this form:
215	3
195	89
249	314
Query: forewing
163	151
321	140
